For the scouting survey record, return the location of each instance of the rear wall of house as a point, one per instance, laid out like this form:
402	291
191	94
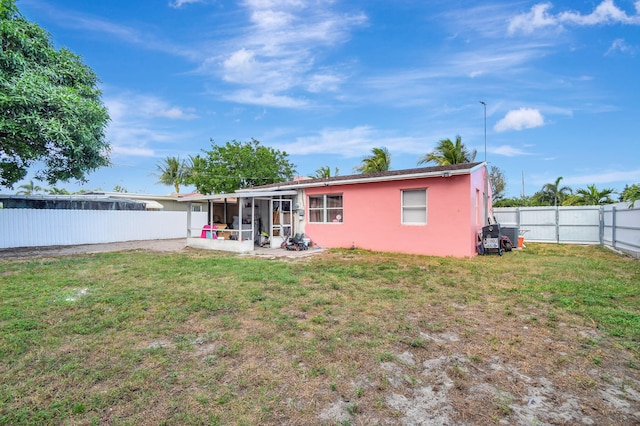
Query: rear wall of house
372	217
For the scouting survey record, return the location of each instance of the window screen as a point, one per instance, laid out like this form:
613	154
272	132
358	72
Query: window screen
414	207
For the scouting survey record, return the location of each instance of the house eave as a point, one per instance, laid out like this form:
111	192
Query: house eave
365	179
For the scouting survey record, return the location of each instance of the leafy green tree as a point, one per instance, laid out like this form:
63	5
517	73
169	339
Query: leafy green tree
325	172
552	194
447	152
51	114
238	165
29	188
498	183
378	161
631	194
514	202
119	188
172	172
590	197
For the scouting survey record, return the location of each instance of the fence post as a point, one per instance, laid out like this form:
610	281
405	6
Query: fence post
557	225
613	226
601	232
189	209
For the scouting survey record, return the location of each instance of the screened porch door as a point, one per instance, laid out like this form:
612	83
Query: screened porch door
281	219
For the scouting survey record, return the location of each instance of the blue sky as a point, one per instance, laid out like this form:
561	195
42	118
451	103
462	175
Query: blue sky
328	80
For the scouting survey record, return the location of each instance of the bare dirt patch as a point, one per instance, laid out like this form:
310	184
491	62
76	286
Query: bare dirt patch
177	245
165	246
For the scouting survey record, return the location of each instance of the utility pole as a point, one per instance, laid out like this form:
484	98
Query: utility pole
484	104
485	197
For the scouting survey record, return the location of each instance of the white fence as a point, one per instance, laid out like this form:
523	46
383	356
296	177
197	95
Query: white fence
34	228
621	228
615	225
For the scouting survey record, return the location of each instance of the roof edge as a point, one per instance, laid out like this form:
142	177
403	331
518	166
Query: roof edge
426	172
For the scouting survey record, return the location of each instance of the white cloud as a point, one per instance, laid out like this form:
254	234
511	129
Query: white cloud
175	113
324	83
523	118
350	142
536	18
90	23
131	151
240	66
179	3
270	19
540	17
252	97
353	143
134	138
277	50
277	56
133	129
605	13
131	105
508	151
495	59
620	45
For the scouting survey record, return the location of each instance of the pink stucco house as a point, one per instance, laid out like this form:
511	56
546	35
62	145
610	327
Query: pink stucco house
432	210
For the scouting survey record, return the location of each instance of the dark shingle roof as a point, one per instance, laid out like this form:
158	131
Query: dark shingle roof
360	176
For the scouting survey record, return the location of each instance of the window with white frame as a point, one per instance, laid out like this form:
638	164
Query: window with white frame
326	208
414	207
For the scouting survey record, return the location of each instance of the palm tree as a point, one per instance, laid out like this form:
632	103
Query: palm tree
28	188
378	161
57	191
553	193
592	197
172	172
447	152
193	168
325	172
631	194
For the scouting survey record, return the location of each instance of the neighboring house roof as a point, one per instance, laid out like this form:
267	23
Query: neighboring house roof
244	193
417	173
131	195
151	201
69	202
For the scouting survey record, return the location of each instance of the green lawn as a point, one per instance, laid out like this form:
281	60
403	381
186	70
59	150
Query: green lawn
210	338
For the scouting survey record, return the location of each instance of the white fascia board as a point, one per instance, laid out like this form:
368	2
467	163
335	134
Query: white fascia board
257	193
479	166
